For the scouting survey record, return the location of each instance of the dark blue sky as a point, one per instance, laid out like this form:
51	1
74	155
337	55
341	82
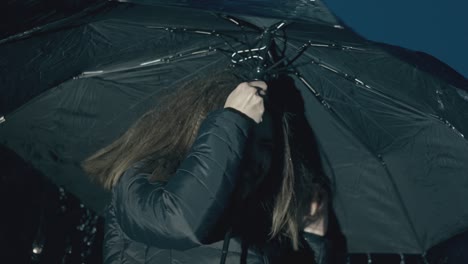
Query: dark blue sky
439	28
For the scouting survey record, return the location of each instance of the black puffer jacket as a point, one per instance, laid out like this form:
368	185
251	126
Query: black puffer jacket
181	221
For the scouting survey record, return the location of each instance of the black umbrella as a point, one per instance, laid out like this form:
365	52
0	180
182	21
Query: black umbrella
390	122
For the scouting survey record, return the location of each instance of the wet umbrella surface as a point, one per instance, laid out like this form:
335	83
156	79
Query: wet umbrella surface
390	122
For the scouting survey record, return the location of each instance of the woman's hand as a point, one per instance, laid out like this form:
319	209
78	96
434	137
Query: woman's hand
317	220
248	99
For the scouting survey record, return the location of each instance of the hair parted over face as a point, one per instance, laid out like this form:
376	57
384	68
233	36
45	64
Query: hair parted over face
258	156
281	166
294	173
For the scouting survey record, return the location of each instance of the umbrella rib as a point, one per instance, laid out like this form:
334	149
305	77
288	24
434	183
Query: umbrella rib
321	100
361	84
202	31
91	74
173	84
235	51
240	23
302	50
299	53
166	59
333	45
237	21
285	37
244	33
246	43
54	25
354	101
221	35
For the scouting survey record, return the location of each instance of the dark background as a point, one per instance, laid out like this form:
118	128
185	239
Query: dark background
439	28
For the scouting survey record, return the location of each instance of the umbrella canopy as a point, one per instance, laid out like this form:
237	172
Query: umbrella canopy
391	129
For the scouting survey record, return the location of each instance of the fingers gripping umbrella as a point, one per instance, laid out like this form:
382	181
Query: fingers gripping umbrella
390	129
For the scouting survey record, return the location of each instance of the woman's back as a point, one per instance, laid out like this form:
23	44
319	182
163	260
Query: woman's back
179	233
178	205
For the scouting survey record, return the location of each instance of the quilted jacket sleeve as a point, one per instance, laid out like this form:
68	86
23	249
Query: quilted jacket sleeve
181	213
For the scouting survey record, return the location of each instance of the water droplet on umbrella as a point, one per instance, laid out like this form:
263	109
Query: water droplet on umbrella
439	99
463	94
37	250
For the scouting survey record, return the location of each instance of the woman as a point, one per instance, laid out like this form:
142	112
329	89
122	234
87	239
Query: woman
244	189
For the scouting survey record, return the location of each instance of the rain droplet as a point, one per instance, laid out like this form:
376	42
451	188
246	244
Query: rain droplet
37	250
463	94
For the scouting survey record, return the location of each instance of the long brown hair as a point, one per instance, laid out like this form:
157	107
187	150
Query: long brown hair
302	176
162	137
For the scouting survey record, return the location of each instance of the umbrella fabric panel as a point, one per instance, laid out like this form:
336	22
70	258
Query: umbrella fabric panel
361	211
433	183
388	69
34	65
371	66
383	121
406	101
377	123
298	10
125	37
370	191
20	15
